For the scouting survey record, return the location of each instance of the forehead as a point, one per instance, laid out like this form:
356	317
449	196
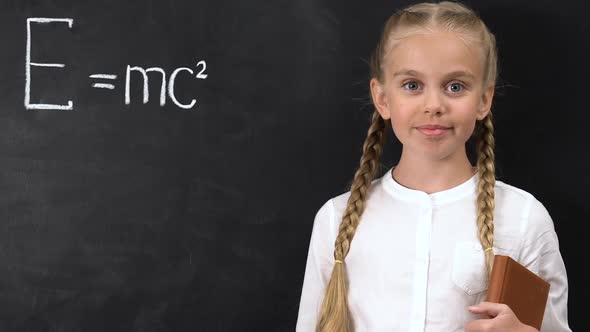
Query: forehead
434	54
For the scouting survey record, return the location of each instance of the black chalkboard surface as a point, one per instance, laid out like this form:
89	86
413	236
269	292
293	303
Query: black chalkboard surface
161	162
183	213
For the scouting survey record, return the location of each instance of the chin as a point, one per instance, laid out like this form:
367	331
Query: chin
438	153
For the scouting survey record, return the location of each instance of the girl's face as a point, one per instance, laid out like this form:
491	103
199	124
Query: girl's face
432	91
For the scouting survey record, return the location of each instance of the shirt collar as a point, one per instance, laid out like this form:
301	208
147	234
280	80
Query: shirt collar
438	198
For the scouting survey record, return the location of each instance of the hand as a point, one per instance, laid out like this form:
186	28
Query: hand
503	319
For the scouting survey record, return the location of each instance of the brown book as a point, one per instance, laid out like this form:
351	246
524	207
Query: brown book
521	289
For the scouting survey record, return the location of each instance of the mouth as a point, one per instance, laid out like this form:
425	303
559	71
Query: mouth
433	130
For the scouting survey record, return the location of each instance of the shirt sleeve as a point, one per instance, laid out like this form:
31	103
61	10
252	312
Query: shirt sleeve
320	261
540	253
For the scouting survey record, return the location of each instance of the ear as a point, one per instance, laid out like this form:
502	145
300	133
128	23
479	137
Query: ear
485	104
380	98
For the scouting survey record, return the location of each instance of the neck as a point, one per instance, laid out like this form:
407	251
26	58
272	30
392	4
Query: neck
432	175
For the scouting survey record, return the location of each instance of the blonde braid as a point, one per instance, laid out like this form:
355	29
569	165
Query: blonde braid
485	189
334	314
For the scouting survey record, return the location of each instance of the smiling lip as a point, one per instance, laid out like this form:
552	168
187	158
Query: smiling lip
433	130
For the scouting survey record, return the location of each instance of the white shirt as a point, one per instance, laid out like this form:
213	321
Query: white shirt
416	264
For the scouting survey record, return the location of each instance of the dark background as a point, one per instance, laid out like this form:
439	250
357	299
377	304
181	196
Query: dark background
145	218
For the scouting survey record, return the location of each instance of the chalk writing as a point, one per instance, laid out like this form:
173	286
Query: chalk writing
104	85
167	86
29	64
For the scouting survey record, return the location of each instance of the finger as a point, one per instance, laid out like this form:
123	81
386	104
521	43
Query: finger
481	311
492	309
477	325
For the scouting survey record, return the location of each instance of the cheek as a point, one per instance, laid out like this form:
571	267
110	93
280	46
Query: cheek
401	110
468	119
401	120
469	130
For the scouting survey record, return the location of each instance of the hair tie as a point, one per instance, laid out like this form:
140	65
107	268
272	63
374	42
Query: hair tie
489	249
338	261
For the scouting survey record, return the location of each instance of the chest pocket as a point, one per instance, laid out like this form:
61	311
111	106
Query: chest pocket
468	270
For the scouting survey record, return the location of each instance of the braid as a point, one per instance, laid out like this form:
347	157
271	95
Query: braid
334	314
485	189
362	180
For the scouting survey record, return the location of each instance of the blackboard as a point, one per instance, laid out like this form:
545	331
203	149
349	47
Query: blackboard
129	216
191	210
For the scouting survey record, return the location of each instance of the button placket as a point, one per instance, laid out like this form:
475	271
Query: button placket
422	261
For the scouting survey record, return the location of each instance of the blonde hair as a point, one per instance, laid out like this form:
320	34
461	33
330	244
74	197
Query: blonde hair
446	16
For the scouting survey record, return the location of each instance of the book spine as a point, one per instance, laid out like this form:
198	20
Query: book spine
497	279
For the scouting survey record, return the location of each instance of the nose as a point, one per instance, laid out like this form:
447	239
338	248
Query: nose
433	102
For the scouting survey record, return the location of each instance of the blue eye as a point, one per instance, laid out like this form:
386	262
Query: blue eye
456	87
413	86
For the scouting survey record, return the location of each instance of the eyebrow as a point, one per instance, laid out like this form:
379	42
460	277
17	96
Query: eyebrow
457	73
